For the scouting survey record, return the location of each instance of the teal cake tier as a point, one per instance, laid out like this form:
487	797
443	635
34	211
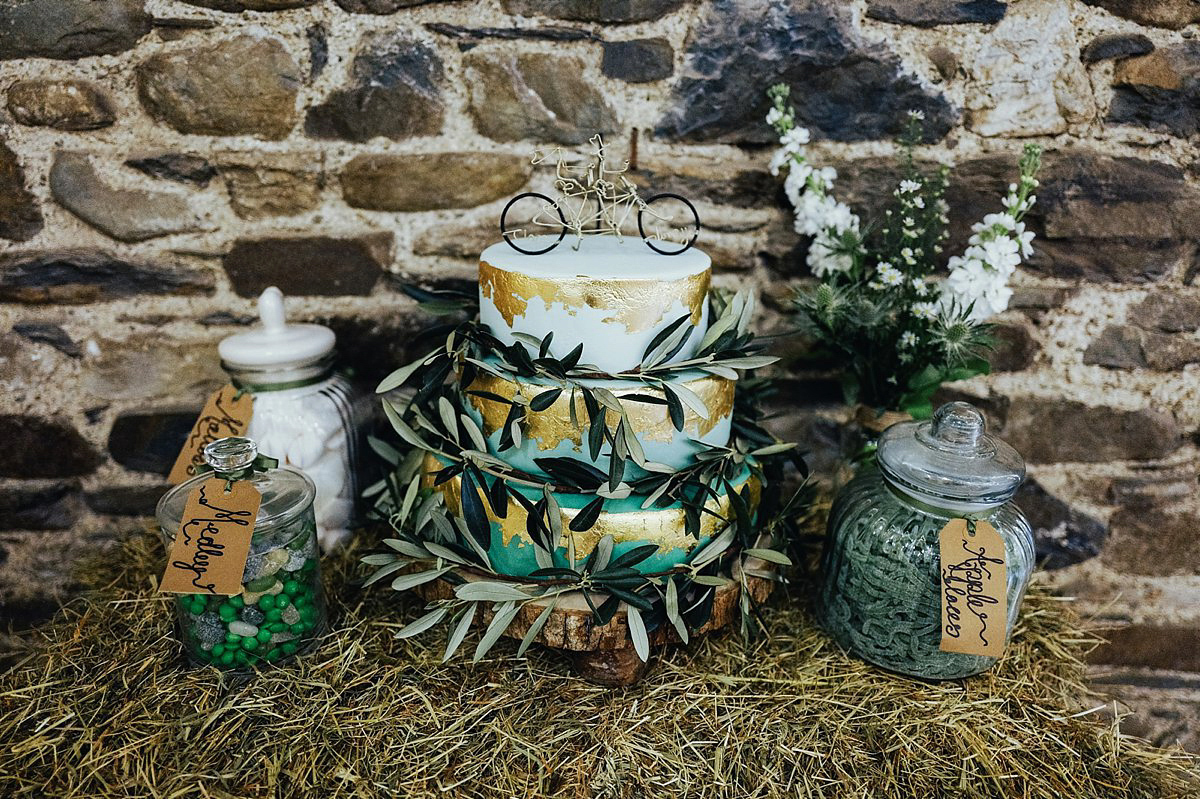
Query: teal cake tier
512	550
549	433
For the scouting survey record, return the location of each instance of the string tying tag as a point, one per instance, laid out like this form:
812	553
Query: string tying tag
261	463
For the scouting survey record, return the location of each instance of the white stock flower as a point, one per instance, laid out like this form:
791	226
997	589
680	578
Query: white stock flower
1024	239
794	140
796	182
839	217
969	277
824	259
773	116
1005	221
817	212
810	214
909	186
1002	254
972	283
826	175
778	159
992	301
979	277
996	299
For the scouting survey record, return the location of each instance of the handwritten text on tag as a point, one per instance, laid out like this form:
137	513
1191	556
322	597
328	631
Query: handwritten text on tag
225	414
209	553
974	589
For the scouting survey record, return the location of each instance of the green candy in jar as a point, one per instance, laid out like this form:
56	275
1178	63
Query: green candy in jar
239	631
882	584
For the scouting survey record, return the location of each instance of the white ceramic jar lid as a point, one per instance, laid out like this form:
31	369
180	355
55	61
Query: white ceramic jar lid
276	343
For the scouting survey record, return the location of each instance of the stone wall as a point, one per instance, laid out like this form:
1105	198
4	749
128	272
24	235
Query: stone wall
161	162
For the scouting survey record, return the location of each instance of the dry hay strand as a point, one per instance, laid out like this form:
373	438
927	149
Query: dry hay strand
100	705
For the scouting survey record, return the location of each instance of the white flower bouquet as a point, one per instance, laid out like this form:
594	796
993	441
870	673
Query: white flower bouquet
879	306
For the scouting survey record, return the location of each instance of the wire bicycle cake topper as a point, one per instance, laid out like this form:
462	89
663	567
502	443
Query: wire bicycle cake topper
596	200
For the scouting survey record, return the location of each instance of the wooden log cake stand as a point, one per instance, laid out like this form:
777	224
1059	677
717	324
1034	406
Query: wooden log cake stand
604	654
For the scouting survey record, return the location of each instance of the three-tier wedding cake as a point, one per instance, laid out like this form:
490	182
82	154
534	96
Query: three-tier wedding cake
602	304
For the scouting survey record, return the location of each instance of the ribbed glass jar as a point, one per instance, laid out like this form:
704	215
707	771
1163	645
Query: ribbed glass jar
881	594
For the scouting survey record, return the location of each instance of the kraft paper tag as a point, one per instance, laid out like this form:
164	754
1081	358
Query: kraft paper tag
223	416
974	589
209	553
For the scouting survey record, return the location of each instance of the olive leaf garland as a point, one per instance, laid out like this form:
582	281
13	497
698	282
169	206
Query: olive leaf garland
432	543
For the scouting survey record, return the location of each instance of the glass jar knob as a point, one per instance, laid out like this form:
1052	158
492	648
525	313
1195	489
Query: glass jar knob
956	426
230	454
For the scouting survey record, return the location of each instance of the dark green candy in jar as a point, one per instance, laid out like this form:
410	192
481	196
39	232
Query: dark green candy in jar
881	572
260	624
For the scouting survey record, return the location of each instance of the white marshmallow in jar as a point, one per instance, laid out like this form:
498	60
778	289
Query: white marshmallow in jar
304	411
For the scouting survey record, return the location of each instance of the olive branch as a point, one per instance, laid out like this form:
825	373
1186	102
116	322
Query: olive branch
433	543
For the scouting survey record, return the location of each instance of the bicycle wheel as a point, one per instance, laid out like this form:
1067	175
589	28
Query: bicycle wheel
677	215
512	233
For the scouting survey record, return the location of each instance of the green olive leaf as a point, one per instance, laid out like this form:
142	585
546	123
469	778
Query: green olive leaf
499	624
532	633
459	631
407	581
637	633
422	624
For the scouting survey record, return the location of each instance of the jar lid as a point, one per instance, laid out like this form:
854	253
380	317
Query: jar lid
276	343
286	492
950	460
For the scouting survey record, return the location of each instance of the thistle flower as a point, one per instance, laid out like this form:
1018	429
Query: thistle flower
824	308
959	338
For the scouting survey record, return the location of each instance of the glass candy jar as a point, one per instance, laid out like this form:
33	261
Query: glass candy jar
304	413
280	610
881	595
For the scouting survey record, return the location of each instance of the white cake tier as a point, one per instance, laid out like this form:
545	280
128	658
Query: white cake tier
611	295
550	433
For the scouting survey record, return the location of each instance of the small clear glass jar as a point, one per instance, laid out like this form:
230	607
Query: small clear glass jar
305	414
280	611
880	596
